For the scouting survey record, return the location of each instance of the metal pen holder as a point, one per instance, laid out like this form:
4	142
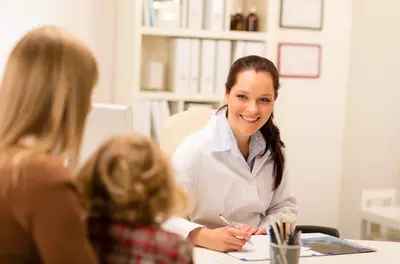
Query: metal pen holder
284	254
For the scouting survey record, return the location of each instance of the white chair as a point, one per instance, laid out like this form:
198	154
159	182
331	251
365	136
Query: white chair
376	198
177	127
380	197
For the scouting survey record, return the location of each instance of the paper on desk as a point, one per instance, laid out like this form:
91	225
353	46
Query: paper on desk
261	250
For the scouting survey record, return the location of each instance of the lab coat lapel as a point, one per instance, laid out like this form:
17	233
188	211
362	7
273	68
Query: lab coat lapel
259	163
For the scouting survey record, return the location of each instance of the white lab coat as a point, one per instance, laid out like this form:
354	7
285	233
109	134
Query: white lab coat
210	167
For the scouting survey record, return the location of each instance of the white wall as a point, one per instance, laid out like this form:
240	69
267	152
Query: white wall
311	115
372	138
93	21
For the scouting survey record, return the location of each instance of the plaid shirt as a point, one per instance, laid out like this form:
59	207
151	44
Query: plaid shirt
143	245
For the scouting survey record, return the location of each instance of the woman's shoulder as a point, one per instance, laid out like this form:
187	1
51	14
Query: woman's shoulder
33	169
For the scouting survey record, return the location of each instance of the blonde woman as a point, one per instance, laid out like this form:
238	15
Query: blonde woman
128	191
45	96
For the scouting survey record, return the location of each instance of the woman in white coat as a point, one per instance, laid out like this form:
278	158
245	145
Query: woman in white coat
235	165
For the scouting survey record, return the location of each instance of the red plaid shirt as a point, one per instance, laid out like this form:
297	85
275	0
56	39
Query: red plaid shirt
142	245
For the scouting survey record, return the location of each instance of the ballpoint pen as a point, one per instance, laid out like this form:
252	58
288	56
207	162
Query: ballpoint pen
231	225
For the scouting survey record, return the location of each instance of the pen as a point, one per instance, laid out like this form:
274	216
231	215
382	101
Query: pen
231	225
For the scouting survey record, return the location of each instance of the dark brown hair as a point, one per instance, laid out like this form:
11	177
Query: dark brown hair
270	131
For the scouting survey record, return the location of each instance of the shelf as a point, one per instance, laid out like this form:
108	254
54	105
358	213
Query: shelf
206	34
171	96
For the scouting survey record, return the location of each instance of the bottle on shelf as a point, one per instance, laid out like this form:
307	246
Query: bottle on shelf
252	20
237	20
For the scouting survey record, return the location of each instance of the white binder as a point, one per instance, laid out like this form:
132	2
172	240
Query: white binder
157	118
143	123
238	50
223	63
214	11
195	14
179	65
207	71
194	75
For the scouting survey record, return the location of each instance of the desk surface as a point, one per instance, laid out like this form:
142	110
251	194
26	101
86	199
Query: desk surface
388	253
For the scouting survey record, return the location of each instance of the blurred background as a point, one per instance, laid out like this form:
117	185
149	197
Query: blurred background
338	108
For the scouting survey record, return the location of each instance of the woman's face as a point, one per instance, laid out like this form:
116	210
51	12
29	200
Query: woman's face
250	103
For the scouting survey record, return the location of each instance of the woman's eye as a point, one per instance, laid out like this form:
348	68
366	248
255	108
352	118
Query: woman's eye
242	96
265	100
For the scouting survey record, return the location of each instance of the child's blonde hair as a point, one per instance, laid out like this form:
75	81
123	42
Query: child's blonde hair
129	179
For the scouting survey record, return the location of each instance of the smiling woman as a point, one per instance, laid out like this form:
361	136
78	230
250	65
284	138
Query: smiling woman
235	165
251	91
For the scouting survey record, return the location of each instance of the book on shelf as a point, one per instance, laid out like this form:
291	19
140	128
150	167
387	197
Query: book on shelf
214	15
153	113
201	66
162	14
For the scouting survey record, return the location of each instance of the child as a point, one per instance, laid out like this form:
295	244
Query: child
128	190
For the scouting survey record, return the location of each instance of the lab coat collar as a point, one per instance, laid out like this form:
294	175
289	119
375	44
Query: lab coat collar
224	139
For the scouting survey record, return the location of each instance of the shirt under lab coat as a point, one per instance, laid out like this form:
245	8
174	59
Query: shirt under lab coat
212	170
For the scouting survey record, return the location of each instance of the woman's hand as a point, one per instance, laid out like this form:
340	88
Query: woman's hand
252	230
222	239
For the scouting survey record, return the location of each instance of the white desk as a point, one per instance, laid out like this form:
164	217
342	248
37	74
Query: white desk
388	217
388	253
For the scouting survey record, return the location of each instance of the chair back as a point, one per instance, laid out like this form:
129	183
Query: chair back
318	229
177	127
378	198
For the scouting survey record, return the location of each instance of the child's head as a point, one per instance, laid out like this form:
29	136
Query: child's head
129	179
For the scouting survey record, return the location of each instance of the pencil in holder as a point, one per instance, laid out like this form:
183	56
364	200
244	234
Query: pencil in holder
284	254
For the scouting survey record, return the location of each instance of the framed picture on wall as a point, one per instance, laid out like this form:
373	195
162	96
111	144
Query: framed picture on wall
302	14
299	60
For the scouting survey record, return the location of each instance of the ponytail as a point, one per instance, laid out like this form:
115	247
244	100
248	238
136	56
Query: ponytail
272	136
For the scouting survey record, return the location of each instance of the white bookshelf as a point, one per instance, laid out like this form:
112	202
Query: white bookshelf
204	34
145	43
172	96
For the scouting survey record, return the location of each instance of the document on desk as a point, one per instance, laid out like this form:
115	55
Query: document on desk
261	250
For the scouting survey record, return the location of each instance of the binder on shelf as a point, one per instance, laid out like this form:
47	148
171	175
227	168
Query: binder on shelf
194	75
195	14
159	113
157	118
184	13
207	70
146	14
222	65
214	14
238	50
163	14
164	109
179	67
143	121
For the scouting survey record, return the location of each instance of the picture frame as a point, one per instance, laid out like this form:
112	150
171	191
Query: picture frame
299	60
302	14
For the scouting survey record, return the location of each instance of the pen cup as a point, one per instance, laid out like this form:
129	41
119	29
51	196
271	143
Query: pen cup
285	254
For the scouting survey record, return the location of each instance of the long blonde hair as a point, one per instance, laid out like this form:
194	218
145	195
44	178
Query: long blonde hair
46	93
129	179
